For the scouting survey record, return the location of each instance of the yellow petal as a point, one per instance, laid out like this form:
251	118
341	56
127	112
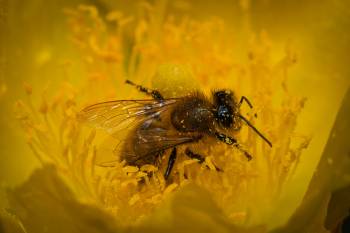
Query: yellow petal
45	204
326	202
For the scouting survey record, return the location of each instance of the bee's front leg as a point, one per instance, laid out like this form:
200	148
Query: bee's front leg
199	157
232	141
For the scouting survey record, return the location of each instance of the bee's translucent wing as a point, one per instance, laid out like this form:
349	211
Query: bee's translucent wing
154	137
113	116
150	137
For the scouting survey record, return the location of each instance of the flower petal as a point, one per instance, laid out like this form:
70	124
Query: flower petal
192	209
332	173
45	204
338	208
9	224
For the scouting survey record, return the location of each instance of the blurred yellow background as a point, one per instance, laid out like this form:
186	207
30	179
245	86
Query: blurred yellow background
35	47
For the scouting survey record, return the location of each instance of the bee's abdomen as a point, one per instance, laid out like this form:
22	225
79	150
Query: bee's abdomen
192	115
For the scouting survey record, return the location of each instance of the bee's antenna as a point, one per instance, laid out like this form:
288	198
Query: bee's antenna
255	129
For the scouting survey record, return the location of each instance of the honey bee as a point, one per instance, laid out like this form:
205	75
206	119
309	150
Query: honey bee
158	125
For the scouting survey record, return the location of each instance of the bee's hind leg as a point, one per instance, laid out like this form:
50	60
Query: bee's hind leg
199	157
154	93
171	163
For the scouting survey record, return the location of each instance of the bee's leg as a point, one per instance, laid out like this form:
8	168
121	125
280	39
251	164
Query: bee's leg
171	163
199	157
243	98
192	155
232	141
154	93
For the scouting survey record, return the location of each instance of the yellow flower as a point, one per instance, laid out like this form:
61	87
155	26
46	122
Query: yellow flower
174	54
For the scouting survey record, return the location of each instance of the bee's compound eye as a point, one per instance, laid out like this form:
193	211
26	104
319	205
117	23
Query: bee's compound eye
224	115
223	111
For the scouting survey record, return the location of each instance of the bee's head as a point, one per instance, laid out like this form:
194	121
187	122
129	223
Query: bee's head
227	114
225	108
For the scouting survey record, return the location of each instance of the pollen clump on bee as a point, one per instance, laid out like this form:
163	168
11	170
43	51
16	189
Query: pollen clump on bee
56	136
174	80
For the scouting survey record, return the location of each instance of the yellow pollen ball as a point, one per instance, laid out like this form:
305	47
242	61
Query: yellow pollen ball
174	80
